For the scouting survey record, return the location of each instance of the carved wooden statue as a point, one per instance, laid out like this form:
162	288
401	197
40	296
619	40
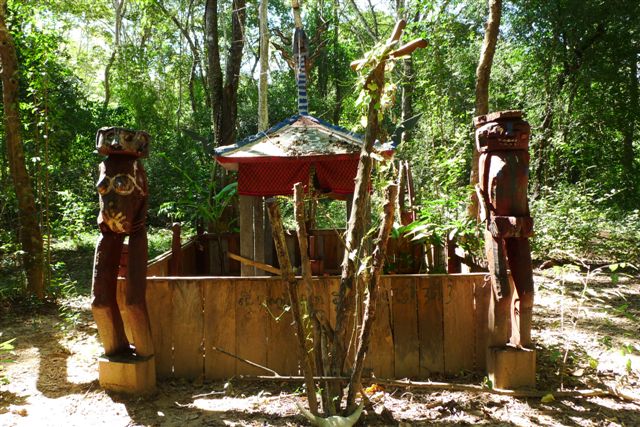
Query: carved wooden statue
122	187
502	139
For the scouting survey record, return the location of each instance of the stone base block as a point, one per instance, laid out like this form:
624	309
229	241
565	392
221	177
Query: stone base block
127	374
511	368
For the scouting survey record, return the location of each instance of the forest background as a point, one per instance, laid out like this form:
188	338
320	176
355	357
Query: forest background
571	66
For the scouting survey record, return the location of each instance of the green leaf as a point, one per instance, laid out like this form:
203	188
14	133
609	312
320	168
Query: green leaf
547	398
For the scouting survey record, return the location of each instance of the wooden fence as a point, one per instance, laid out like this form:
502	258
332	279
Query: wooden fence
425	324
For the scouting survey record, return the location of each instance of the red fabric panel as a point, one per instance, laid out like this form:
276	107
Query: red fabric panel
271	179
337	176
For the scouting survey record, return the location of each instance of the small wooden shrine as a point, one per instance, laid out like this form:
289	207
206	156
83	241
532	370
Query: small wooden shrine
301	148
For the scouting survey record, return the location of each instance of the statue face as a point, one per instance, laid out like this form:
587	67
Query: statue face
503	135
121	141
122	186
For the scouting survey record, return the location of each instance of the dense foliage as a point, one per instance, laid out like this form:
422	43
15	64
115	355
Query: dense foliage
571	66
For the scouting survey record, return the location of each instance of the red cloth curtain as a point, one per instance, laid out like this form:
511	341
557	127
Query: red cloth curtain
275	177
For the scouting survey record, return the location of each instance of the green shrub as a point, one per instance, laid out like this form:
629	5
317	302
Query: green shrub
573	221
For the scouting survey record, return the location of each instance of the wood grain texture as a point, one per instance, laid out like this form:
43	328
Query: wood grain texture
459	329
405	327
159	297
120	298
430	325
246	233
189	259
251	325
381	356
282	352
219	328
188	329
481	296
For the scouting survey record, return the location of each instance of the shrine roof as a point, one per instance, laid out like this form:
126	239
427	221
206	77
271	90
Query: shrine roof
294	138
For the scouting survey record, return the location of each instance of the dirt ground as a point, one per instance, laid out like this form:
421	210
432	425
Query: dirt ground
587	330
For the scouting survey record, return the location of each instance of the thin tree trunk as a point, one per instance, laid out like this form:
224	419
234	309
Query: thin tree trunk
118	7
407	94
363	21
195	52
356	225
229	111
30	235
337	111
629	131
214	72
483	76
263	107
292	287
379	253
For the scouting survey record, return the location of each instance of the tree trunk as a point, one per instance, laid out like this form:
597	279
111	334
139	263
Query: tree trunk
357	224
483	76
229	110
214	72
118	7
292	288
407	94
195	51
379	254
337	111
30	235
629	131
263	108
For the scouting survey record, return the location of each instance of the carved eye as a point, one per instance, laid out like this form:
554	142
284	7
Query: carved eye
123	185
103	186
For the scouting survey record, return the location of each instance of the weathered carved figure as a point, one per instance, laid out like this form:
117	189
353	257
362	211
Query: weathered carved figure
502	139
122	187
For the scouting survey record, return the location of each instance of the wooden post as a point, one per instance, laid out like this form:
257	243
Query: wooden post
246	234
268	240
258	231
454	263
175	262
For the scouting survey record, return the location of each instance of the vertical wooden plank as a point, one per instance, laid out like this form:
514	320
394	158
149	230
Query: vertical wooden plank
293	248
188	329
251	325
333	285
232	245
459	328
430	325
159	295
481	296
322	297
282	352
219	328
405	327
268	241
189	260
246	233
259	232
332	252
380	357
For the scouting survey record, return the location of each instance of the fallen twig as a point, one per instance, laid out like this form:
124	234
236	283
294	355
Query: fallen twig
248	362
